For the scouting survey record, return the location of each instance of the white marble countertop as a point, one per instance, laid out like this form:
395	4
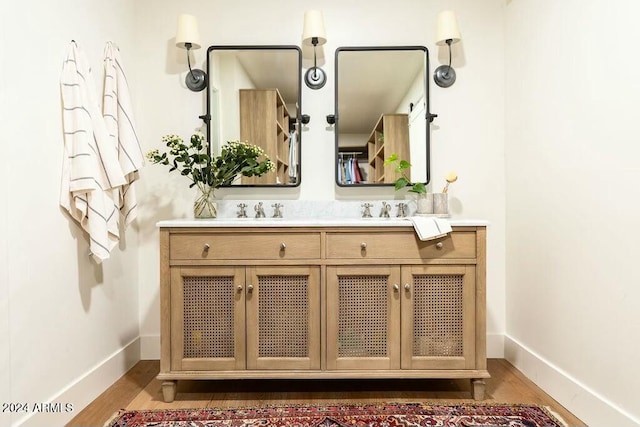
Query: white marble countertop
310	213
309	222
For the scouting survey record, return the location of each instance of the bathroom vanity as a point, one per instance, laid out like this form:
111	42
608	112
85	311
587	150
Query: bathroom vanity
320	299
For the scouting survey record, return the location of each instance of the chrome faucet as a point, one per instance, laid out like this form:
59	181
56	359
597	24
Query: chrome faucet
259	210
386	208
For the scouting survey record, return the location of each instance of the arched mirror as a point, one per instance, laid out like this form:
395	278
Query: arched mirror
382	108
254	96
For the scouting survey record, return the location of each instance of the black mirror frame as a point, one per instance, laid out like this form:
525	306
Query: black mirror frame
428	115
207	117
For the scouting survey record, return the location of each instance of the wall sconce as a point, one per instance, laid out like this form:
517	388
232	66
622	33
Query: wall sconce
447	33
187	37
313	33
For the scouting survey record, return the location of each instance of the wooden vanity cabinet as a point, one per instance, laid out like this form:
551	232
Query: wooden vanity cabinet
321	302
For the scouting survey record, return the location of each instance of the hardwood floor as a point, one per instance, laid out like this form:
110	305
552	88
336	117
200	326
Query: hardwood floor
139	389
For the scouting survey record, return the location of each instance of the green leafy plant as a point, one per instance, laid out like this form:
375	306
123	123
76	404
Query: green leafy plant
403	181
205	172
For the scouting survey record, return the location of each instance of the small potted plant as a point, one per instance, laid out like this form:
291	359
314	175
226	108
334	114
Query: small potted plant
425	203
209	173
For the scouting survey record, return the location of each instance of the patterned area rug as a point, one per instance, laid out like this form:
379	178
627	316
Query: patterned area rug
373	415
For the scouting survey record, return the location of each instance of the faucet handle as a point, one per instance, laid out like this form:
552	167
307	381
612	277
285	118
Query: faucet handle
402	210
277	213
366	213
242	213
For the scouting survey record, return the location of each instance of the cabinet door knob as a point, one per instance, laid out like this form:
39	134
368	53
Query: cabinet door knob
250	288
407	286
363	245
439	245
283	246
239	288
206	247
396	287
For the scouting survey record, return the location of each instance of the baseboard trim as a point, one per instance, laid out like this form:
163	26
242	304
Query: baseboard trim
85	389
586	404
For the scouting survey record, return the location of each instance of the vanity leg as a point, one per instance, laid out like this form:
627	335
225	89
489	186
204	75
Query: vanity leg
169	391
477	388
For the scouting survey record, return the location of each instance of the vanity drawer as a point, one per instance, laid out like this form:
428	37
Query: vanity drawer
398	245
244	246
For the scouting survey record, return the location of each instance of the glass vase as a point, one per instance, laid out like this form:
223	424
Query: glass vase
205	206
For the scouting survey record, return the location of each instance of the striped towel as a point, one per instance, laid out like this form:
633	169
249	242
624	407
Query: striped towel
90	168
117	111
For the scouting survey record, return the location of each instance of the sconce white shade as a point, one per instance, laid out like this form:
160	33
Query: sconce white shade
313	27
447	28
187	32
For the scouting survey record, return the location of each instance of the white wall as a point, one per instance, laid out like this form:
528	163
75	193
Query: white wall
62	318
5	349
573	167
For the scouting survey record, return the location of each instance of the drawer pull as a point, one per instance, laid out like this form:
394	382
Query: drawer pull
396	288
439	245
283	246
407	286
363	245
250	288
206	247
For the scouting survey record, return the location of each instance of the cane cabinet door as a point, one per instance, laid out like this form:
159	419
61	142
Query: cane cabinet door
207	318
438	317
363	317
283	317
